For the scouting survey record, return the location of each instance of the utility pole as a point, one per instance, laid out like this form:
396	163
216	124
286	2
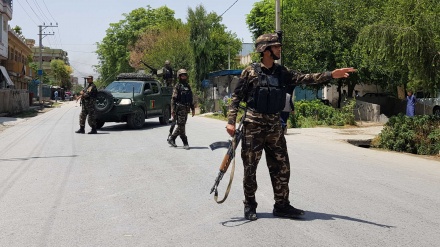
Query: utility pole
277	21
40	68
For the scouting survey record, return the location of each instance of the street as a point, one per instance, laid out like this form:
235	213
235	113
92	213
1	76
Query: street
126	187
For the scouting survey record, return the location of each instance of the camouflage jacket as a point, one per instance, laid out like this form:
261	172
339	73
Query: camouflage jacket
90	92
249	80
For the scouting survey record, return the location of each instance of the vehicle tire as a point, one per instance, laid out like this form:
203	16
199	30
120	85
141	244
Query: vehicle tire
137	119
99	124
166	115
436	111
104	102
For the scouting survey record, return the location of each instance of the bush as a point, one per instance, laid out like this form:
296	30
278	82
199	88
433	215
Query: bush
313	113
416	135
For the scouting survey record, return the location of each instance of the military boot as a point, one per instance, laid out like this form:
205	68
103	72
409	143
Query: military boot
185	143
172	141
287	211
250	213
81	130
93	131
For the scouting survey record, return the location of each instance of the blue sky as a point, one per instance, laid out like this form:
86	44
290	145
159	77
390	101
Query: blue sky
82	23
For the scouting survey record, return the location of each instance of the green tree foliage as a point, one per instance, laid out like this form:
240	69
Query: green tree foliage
405	41
113	52
60	73
168	42
210	43
198	21
261	19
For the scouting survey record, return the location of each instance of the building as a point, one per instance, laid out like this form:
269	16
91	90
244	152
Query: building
5	17
17	64
47	55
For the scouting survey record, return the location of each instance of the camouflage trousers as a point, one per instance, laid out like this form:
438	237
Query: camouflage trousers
88	109
181	118
270	138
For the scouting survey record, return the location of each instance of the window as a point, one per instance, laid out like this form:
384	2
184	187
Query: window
155	87
147	86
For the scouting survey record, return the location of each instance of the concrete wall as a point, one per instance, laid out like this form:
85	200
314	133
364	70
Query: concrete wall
14	100
366	111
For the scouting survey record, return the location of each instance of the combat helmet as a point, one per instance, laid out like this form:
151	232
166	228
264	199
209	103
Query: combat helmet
181	71
266	40
167	62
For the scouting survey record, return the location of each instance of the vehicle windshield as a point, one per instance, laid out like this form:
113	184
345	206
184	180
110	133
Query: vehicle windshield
124	87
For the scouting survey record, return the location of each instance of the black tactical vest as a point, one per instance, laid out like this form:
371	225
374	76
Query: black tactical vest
269	96
184	96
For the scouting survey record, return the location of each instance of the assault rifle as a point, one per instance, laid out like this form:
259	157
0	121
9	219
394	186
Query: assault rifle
230	154
153	70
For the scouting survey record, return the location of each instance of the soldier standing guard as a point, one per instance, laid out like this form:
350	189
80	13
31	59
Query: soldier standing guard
88	100
181	104
167	74
263	87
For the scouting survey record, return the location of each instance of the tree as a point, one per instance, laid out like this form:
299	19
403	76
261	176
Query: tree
113	52
406	41
60	73
168	42
210	43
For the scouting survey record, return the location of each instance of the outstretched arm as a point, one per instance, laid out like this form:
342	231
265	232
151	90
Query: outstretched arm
342	73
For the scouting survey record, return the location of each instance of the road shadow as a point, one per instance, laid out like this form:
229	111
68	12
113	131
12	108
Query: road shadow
309	216
117	127
37	157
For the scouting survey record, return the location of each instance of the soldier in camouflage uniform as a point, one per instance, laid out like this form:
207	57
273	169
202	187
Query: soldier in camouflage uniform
181	104
168	76
88	100
263	87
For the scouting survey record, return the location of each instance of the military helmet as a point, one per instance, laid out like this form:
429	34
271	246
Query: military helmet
167	62
266	40
181	71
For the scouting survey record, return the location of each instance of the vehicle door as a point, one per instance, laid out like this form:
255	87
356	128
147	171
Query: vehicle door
153	106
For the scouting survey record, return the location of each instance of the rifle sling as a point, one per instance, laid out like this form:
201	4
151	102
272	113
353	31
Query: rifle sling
231	177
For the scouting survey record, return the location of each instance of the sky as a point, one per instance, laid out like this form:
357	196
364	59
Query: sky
80	24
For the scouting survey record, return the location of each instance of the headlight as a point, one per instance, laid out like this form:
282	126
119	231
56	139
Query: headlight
125	102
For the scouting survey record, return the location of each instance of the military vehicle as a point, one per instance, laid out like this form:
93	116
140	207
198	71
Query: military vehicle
132	98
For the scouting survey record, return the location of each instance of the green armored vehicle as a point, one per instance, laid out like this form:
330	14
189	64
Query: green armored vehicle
132	98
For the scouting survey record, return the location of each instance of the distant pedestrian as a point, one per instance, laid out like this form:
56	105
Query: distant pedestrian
410	104
55	95
88	100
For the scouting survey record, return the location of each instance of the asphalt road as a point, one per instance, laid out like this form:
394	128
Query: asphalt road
126	187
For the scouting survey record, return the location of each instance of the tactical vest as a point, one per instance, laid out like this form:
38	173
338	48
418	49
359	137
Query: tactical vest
269	96
168	73
184	96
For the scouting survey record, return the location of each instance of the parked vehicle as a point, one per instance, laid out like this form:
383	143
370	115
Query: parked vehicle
427	104
132	98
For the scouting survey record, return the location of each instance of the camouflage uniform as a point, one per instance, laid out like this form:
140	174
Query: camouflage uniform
168	75
263	131
88	101
181	110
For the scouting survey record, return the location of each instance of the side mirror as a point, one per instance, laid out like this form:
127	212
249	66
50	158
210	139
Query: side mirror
148	91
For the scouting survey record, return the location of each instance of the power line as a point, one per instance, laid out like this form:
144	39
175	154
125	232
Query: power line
48	11
42	13
27	13
229	8
34	12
